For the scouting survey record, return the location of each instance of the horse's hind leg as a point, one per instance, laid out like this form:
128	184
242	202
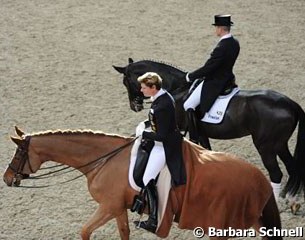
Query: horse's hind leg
287	158
99	218
288	161
270	162
123	226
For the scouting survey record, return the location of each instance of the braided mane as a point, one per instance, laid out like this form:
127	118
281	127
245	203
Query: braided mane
164	63
74	132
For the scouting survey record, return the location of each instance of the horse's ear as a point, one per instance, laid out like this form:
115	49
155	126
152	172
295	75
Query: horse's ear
18	141
19	132
130	60
119	69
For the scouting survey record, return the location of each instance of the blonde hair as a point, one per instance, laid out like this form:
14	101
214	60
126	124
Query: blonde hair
150	79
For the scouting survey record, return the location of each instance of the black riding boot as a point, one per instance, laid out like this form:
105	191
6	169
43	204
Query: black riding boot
139	203
152	195
192	125
204	141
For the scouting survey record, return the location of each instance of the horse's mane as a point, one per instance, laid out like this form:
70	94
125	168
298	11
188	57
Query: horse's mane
75	132
163	63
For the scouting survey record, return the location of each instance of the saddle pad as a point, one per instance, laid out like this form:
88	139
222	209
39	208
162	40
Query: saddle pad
164	179
217	112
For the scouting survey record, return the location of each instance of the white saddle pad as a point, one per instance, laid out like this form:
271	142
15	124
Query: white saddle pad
217	112
164	179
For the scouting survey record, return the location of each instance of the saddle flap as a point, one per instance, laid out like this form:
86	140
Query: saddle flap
141	161
217	111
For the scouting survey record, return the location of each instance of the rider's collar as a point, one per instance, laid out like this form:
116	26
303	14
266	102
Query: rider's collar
225	36
158	94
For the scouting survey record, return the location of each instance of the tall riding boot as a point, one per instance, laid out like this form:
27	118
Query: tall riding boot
139	202
152	195
204	141
192	125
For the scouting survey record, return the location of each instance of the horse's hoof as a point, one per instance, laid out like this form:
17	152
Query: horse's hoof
295	208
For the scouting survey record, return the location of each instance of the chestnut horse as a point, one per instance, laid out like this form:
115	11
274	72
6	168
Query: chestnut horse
225	192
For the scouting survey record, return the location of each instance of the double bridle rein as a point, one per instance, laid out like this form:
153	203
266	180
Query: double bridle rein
22	156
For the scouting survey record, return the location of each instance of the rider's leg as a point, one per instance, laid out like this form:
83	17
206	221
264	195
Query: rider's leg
155	164
152	198
192	122
189	106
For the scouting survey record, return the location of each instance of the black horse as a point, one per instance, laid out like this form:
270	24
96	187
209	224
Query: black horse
268	116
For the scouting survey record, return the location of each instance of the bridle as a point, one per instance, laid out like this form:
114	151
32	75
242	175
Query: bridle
22	156
136	99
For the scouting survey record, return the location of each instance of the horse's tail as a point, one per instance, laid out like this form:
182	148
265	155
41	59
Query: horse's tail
297	182
271	217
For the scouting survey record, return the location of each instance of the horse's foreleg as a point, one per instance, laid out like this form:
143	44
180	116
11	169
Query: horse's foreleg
123	226
99	218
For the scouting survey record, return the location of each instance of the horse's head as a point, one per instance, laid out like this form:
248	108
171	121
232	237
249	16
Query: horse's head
20	166
173	79
130	77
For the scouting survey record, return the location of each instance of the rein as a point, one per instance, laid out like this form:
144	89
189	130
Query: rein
100	160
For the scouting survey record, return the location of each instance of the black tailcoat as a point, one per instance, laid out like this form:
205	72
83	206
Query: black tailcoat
165	130
217	72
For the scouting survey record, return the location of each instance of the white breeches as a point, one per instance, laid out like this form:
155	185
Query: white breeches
156	163
194	99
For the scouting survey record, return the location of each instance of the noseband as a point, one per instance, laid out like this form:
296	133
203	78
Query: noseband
22	156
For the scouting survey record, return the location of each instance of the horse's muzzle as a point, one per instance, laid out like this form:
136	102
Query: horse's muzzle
137	107
13	180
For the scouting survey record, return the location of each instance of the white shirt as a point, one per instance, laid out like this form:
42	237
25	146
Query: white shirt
225	36
158	94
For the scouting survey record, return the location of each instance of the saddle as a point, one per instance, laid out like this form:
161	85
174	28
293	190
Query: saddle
218	109
225	92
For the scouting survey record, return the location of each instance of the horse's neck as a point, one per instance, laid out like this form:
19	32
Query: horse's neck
74	150
173	78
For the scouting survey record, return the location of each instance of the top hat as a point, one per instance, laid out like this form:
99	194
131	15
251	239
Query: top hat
222	20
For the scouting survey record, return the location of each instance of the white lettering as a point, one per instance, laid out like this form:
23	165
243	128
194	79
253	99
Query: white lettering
230	232
213	117
263	232
275	232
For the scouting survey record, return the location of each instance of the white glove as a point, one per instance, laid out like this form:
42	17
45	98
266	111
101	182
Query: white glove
140	128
